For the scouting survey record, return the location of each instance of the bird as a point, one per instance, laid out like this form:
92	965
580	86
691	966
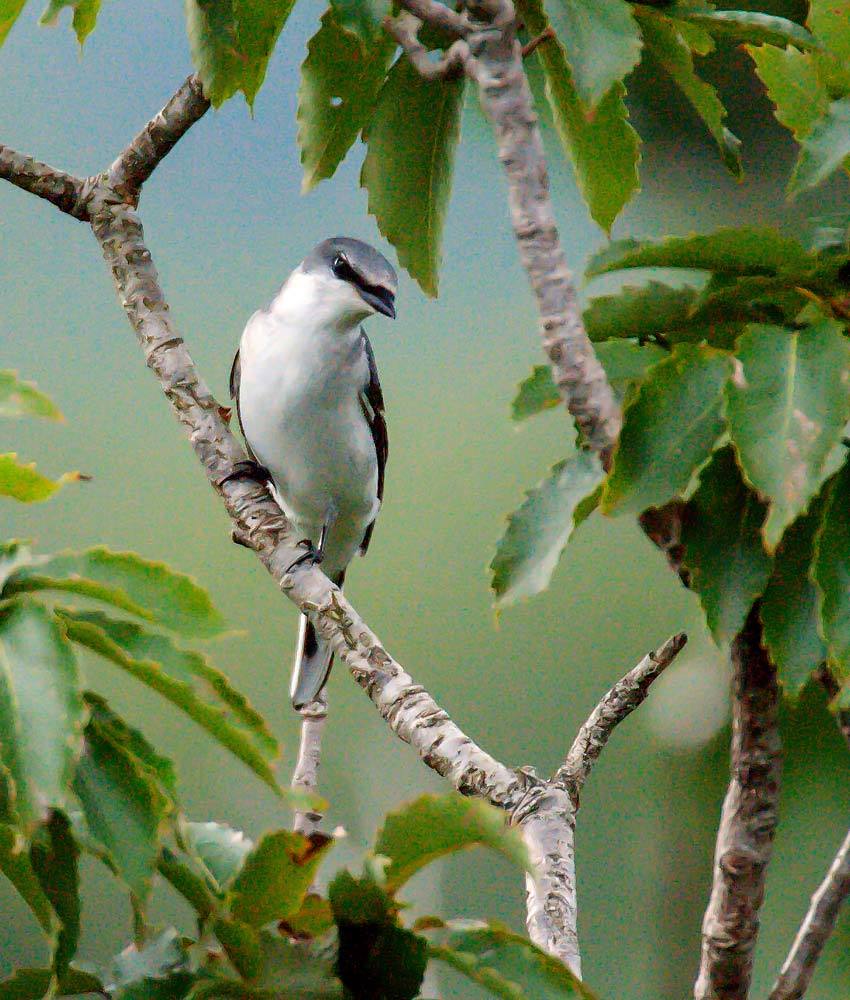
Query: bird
311	410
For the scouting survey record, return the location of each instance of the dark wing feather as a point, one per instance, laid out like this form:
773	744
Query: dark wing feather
235	380
372	404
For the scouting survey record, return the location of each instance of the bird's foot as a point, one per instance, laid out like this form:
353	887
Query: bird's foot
248	469
311	556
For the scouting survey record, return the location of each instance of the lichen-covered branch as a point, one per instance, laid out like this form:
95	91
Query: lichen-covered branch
816	929
141	157
55	186
494	62
623	698
305	777
747	823
452	64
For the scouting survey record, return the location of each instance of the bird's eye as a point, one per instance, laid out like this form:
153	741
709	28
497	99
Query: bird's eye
340	267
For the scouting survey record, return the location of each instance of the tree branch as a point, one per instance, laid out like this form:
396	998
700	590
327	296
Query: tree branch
615	706
55	186
815	930
495	64
141	157
305	777
404	30
747	823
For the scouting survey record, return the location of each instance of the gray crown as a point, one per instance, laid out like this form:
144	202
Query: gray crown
372	266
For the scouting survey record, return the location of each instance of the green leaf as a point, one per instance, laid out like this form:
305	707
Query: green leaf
435	825
13	555
183	678
824	149
34	984
41	710
528	552
793	86
173	986
670	428
147	589
407	171
15	865
123	807
642	311
157	958
601	40
222	849
361	18
666	45
340	81
831	571
509	965
746	250
721	533
787	406
276	875
603	149
85	15
535	394
53	856
359	901
747	26
241	943
9	12
789	608
298	970
25	484
19	398
828	21
386	963
231	42
184	875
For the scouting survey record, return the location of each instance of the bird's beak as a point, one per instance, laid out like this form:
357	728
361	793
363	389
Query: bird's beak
381	301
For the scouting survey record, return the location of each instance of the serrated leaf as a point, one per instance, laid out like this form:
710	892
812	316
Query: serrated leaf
831	571
528	552
721	534
15	865
669	49
786	407
158	957
221	848
824	149
174	673
41	709
602	42
150	590
793	86
361	18
340	81
670	428
231	42
603	149
24	399
25	484
34	984
789	608
747	26
276	875
53	856
83	21
732	251
407	172
9	12
435	825
123	807
509	965
359	901
642	311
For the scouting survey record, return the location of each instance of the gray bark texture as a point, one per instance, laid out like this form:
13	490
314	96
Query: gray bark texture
747	823
543	810
815	931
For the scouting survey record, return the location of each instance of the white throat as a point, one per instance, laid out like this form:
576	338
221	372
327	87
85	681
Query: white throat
318	301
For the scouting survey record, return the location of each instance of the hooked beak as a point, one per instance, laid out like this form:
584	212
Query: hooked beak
380	300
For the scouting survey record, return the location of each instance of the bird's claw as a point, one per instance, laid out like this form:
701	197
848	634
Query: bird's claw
312	555
248	469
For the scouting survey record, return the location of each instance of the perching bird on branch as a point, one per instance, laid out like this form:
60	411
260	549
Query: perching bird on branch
312	413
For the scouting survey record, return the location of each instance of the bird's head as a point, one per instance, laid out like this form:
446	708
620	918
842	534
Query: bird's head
348	280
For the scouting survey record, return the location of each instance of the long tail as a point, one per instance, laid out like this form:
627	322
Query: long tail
313	660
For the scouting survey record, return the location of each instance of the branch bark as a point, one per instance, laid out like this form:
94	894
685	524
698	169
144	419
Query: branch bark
815	931
747	823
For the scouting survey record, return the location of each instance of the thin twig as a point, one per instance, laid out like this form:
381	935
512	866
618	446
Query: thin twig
305	777
438	15
534	43
815	931
623	698
143	155
449	66
747	823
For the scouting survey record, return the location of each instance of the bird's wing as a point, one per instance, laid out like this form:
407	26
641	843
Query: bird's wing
235	379
372	404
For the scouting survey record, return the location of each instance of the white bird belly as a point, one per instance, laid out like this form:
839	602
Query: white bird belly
301	414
